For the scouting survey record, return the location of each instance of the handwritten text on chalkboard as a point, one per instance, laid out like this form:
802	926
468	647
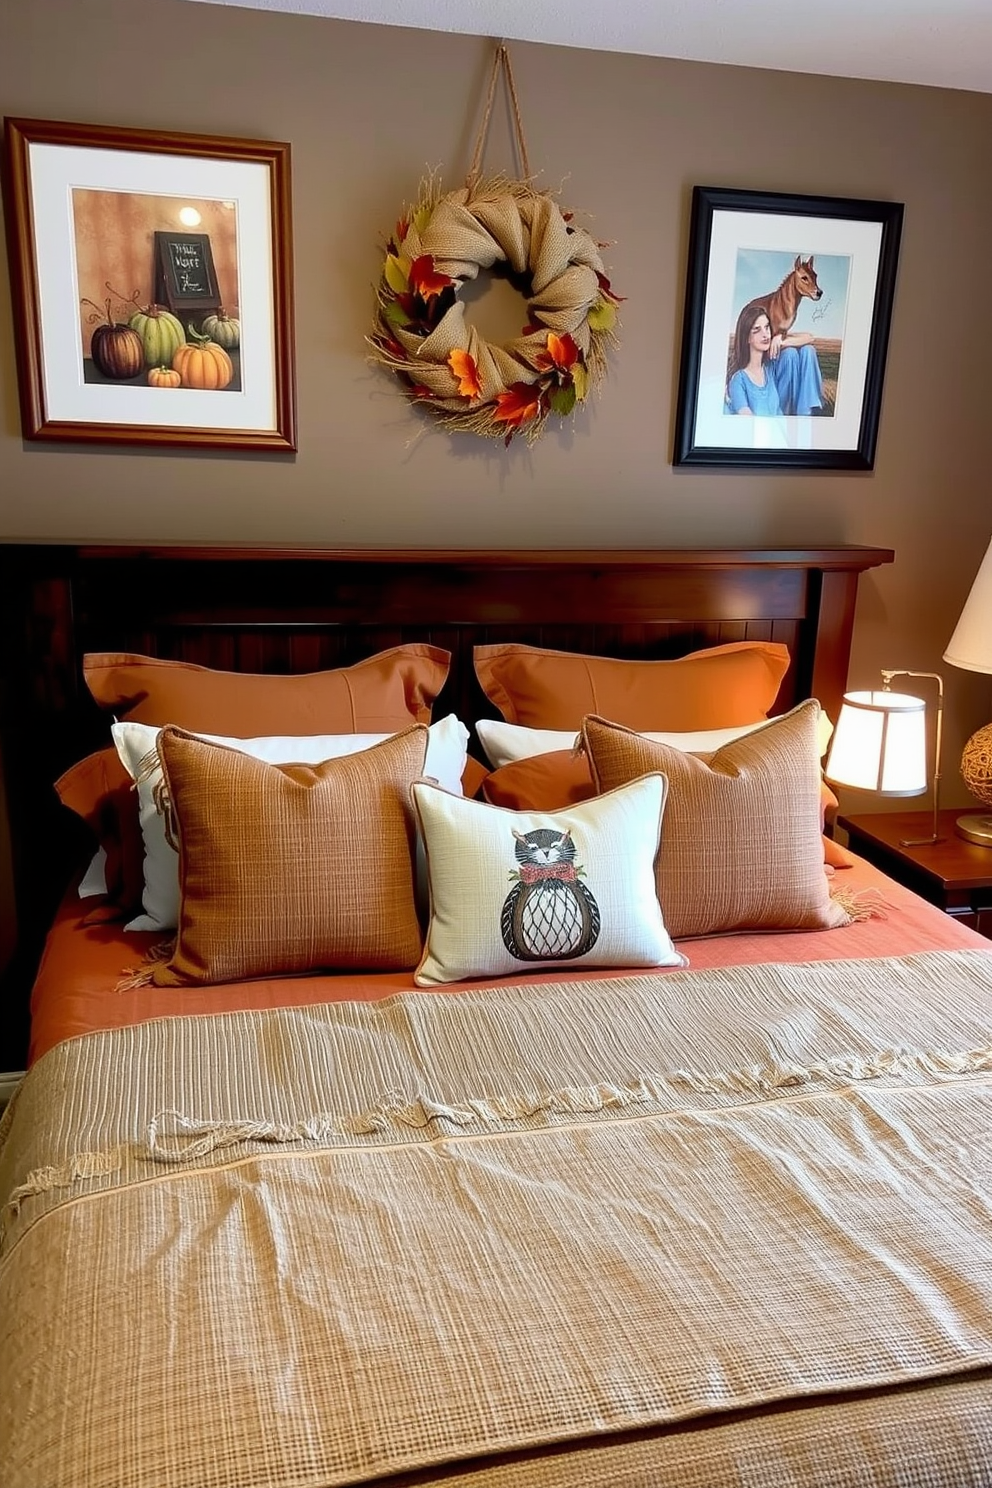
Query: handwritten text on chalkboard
186	269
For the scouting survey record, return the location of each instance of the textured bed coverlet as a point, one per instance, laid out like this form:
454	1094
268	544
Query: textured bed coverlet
731	1225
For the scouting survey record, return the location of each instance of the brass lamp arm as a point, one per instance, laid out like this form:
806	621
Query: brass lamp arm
938	730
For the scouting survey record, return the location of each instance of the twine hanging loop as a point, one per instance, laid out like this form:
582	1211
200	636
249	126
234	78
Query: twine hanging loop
501	65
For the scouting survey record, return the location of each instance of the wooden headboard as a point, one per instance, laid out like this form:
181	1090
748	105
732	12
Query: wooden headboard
283	610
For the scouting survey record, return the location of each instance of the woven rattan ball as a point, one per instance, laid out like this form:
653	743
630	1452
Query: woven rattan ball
976	765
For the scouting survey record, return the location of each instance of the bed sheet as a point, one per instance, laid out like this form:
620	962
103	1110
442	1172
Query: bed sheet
82	982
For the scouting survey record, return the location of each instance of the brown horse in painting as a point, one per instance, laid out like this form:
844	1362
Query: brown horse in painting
782	304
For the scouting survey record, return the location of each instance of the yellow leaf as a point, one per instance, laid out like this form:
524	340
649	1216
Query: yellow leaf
397	273
580	381
602	316
421	217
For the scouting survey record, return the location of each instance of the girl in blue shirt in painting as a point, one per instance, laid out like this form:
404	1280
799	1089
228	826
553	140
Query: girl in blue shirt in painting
772	375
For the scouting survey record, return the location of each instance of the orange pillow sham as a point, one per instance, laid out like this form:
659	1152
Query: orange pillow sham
718	687
99	790
383	694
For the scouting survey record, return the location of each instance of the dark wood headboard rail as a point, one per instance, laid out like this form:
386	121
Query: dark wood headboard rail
295	610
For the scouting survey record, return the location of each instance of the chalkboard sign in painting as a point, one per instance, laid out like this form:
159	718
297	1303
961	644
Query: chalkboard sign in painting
184	273
169	238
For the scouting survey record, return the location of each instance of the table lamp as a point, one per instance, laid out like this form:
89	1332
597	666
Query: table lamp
970	647
880	745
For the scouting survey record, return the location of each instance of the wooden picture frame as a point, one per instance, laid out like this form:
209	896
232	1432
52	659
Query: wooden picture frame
83	203
825	268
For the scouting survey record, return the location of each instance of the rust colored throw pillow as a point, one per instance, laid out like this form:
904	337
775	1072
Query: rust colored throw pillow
741	847
291	868
99	790
382	694
719	687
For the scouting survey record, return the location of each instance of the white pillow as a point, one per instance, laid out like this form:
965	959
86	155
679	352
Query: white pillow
506	742
512	890
94	880
447	742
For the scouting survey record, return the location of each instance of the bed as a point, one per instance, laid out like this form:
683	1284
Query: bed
493	1199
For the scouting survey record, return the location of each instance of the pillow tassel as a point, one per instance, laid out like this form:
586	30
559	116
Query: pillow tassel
860	904
133	977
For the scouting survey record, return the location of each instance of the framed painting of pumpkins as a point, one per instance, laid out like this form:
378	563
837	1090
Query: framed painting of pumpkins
151	281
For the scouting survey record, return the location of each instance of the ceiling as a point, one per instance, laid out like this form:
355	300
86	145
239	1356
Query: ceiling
939	43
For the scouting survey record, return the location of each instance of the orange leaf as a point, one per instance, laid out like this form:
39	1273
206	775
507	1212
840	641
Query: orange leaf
464	368
562	350
518	405
425	280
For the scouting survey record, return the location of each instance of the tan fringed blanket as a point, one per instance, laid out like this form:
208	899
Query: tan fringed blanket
704	1227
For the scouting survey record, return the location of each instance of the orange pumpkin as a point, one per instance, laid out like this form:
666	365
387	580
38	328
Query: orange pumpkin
201	363
163	377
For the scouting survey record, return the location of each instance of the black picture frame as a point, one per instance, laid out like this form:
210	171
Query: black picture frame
745	246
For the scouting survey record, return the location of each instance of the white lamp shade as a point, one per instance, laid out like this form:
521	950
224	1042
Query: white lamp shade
880	744
971	644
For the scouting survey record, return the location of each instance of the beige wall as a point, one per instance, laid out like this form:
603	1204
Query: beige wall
368	112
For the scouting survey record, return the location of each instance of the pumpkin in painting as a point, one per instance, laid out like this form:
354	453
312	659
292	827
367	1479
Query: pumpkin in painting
164	377
223	329
201	363
116	349
161	334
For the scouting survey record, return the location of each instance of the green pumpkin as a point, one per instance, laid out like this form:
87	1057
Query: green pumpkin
222	329
161	334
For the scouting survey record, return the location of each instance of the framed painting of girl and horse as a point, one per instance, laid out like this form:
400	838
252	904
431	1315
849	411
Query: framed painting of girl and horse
786	326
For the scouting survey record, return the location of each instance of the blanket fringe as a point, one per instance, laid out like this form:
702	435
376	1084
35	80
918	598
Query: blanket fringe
174	1139
191	1139
62	1175
759	1081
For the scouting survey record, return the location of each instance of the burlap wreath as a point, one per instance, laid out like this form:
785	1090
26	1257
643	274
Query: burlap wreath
420	329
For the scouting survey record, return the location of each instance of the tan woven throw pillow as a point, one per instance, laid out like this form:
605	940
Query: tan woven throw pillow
740	844
289	868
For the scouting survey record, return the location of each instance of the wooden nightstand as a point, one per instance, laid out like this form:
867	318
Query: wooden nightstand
954	874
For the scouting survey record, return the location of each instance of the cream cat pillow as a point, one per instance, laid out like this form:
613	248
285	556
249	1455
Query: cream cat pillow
515	890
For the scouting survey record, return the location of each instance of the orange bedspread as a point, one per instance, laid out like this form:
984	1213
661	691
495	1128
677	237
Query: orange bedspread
76	989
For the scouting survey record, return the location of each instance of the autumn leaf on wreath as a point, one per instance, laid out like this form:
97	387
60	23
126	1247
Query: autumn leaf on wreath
608	289
425	280
562	353
399	312
563	400
464	368
602	316
396	273
418	392
517	406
